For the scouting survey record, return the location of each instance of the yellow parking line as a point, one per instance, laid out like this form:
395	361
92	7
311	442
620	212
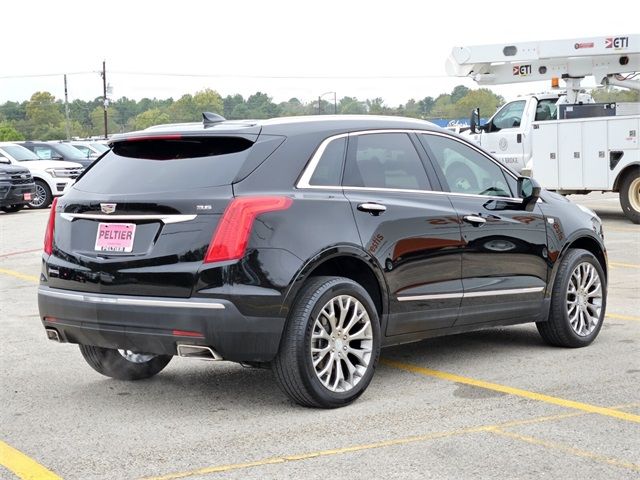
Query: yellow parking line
585	407
622	317
566	449
369	446
621	229
623	265
21	276
23	466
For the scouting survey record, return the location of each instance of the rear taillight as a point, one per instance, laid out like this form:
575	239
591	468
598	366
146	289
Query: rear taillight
51	226
230	239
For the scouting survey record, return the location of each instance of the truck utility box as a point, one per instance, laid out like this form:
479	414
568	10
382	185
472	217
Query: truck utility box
584	154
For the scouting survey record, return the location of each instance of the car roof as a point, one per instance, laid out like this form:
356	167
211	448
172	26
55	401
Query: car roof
287	126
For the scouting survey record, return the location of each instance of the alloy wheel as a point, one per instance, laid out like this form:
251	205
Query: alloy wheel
341	343
135	357
584	299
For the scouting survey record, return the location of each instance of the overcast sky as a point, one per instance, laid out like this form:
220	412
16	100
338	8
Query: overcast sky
239	41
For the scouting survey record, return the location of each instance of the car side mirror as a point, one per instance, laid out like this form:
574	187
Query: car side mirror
474	121
529	191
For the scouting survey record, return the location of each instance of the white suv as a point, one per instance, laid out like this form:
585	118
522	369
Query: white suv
52	177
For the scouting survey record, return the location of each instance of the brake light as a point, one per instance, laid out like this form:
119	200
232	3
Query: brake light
51	226
230	239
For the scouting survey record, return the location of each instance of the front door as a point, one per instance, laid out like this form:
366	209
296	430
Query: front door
412	231
504	267
503	137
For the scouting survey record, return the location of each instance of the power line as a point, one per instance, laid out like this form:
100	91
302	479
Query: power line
278	77
37	75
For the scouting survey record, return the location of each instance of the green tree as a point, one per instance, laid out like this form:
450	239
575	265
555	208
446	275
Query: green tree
458	92
207	101
97	121
184	110
441	106
8	133
351	106
482	98
606	95
426	104
155	116
44	116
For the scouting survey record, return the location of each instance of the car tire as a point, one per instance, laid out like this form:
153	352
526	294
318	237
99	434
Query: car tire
322	362
578	302
630	194
12	208
42	197
123	366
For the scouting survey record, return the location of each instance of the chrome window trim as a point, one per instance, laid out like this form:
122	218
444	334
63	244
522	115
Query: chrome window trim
309	170
488	293
115	300
166	219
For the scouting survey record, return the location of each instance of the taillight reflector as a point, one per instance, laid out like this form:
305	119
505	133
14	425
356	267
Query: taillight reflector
186	333
230	239
51	226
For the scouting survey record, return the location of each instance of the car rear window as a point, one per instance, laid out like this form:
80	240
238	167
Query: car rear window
160	165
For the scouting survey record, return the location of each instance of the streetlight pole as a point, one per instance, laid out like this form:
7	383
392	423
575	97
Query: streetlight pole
335	102
104	98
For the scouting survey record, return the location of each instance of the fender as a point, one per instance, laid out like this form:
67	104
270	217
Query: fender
341	250
576	236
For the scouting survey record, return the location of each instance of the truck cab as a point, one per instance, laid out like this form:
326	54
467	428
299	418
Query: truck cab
507	134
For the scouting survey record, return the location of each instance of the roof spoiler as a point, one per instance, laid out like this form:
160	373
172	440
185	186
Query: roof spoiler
209	118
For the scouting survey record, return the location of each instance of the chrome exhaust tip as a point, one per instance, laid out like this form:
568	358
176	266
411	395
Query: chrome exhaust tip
200	352
52	334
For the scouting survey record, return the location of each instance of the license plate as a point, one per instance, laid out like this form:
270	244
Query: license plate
115	237
27	196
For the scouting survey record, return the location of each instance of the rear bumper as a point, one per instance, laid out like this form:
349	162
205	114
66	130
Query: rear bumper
157	324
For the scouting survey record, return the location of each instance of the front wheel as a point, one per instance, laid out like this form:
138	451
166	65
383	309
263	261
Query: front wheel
124	364
331	344
578	301
42	197
630	194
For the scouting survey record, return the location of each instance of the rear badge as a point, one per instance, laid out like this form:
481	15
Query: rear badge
203	207
108	207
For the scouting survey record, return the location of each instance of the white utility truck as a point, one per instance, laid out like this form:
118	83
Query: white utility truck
568	142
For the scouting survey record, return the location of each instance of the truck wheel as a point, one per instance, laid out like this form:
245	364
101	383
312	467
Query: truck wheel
42	197
12	208
123	364
331	344
630	194
578	302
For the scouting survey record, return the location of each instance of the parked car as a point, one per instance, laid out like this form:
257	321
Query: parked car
89	148
57	151
52	178
16	186
307	244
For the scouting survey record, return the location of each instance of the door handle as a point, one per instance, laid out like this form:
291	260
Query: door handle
474	220
371	207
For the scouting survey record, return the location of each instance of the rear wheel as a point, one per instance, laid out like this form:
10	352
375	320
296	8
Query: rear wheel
331	344
12	208
578	302
124	364
630	194
43	197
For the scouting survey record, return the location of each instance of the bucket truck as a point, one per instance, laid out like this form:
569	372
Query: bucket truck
568	142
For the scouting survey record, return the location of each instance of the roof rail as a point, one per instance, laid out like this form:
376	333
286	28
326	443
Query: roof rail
209	118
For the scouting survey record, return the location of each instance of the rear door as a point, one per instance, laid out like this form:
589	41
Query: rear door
412	231
142	217
504	262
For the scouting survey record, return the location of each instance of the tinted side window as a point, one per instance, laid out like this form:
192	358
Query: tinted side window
510	116
465	170
328	172
44	153
385	160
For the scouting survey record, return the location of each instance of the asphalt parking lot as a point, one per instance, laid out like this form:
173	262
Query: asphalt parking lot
491	404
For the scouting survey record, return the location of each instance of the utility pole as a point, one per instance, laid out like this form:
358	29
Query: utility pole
104	98
319	100
66	108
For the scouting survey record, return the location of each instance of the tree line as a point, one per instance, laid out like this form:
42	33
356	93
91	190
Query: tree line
43	116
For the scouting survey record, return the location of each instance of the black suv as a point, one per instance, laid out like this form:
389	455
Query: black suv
306	244
57	151
17	188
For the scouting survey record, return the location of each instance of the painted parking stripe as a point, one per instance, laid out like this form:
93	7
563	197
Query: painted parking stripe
20	252
371	446
623	265
623	317
21	276
23	466
566	449
540	397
